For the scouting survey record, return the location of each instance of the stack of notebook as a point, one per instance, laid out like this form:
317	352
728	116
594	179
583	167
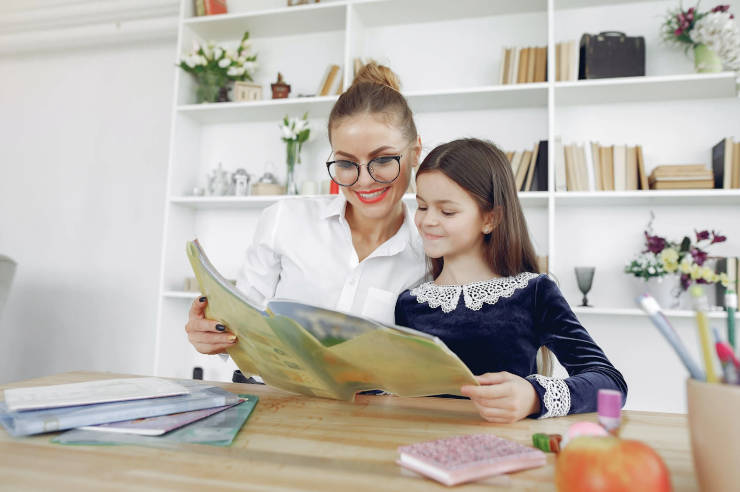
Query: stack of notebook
143	406
681	177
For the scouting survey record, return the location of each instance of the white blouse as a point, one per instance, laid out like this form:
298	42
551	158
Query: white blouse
302	250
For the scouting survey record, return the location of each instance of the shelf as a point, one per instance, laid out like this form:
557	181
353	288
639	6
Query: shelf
284	21
650	89
577	4
267	110
392	12
595	311
479	98
472	98
648	197
176	294
527	199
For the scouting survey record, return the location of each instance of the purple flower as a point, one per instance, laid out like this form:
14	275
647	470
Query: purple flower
685	281
677	32
721	8
655	244
699	256
701	235
718	238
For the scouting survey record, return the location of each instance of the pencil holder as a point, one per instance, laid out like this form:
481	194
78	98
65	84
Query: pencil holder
715	433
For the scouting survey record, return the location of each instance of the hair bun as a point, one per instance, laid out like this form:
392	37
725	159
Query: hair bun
377	74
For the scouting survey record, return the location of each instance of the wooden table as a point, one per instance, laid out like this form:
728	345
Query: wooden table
293	442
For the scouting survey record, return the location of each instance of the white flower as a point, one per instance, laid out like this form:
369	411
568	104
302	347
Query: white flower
224	62
232	72
218	52
246	45
287	133
190	61
196	46
719	32
250	67
201	60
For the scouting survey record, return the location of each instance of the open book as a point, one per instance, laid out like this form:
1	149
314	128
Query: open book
320	352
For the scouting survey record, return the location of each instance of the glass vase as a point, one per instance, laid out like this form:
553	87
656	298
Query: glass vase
211	88
292	156
706	60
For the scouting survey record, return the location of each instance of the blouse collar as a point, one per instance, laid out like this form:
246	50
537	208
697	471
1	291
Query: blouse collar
474	294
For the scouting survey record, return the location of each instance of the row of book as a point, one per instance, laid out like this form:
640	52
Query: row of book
726	164
594	167
530	167
521	65
133	406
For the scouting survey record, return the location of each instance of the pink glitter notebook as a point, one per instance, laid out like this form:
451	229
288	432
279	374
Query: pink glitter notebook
467	458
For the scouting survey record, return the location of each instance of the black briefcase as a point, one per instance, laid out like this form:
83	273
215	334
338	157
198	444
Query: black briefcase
611	54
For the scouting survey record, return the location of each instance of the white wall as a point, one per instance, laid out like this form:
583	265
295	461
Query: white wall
84	139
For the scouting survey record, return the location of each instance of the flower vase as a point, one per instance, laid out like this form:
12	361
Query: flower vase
706	60
666	290
211	88
292	156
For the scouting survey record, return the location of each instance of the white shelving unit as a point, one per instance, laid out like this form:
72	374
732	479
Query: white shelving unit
447	55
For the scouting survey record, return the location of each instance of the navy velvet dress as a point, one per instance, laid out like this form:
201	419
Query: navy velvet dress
499	324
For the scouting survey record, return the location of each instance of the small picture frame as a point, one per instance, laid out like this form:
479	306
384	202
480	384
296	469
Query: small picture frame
247	91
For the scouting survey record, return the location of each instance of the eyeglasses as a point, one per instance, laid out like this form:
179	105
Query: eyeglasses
384	169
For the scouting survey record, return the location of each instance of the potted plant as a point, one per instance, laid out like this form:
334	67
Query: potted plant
214	67
713	35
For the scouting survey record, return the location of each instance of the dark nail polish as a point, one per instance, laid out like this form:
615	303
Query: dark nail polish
202	299
220	327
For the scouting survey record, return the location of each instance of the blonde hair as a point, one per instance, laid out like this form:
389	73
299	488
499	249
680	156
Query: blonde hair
375	90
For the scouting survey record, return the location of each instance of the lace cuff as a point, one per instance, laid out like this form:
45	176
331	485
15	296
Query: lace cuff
557	395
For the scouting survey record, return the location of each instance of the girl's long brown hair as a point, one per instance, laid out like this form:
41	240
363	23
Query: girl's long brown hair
483	170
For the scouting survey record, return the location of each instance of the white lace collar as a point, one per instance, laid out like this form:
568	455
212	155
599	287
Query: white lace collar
474	295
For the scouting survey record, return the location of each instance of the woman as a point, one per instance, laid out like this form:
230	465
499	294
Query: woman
355	252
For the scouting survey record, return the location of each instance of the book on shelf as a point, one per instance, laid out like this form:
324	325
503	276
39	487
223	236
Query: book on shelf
215	7
566	61
23	423
199	7
559	164
320	352
467	458
642	175
620	168
731	266
521	65
529	167
595	167
330	81
726	164
681	177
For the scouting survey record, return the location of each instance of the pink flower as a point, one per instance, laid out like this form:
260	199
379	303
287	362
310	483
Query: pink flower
721	8
655	244
718	238
677	32
699	256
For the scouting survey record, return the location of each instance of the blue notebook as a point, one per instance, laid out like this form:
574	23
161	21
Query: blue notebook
217	430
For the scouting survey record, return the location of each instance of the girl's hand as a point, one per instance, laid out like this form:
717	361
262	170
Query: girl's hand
503	397
207	336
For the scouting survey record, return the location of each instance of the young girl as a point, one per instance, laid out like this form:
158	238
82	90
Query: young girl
485	302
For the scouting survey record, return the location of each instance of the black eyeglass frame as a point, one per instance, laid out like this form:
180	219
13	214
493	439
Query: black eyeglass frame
397	158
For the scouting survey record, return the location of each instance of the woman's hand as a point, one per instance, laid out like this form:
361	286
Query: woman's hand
503	397
207	336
